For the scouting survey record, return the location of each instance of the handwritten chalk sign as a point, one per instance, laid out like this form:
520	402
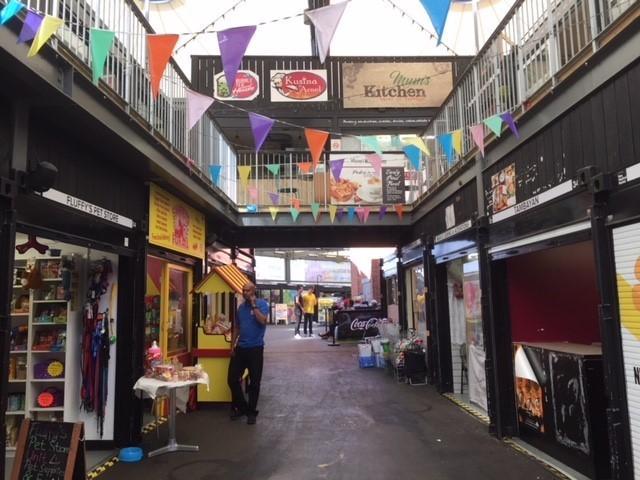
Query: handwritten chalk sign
392	185
49	451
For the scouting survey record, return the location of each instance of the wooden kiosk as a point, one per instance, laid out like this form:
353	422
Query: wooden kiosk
214	332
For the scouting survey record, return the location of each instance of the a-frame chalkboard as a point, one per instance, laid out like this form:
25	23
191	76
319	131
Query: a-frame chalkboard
51	450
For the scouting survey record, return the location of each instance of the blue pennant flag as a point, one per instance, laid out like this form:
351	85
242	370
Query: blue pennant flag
10	10
214	170
352	214
446	141
414	155
437	11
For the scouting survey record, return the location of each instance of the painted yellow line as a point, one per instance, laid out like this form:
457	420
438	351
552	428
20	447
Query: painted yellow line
100	469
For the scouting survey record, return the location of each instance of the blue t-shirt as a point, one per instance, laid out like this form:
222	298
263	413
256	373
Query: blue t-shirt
251	330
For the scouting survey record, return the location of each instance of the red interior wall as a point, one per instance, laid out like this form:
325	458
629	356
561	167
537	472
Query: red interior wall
553	295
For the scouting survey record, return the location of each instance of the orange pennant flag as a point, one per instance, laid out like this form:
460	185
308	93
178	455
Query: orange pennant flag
296	203
160	50
305	167
316	140
399	209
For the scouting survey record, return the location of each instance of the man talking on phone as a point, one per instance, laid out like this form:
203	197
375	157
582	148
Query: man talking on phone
247	353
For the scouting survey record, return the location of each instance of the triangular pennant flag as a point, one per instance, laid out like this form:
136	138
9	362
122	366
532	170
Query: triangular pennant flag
396	143
382	212
30	27
253	193
315	210
477	134
274	212
275	198
296	203
274	168
495	124
244	171
233	43
351	213
48	27
399	208
101	42
341	212
372	142
325	20
316	140
332	213
252	208
418	142
260	127
456	141
360	213
10	10
413	154
294	213
447	146
365	214
336	168
160	49
197	104
304	167
437	11
509	120
376	162
214	170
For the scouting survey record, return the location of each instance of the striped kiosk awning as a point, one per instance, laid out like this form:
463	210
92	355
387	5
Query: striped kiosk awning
229	274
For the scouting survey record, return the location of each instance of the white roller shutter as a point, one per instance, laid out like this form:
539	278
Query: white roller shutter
626	242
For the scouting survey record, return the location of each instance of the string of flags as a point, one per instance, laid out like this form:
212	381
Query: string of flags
336	213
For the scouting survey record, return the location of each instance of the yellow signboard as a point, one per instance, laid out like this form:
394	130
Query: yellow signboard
175	225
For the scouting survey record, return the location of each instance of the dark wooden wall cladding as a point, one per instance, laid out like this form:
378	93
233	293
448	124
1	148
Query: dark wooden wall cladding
603	130
5	137
465	203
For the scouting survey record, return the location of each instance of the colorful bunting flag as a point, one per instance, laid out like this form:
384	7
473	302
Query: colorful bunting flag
332	213
197	105
260	127
315	210
382	212
437	11
509	120
376	162
296	203
275	198
10	10
316	140
414	155
294	213
253	193
456	141
274	168
274	212
101	42
477	134
30	26
418	142
325	20
446	141
244	171
305	167
214	171
371	141
351	214
341	212
399	208
363	213
336	168
252	208
494	124
233	44
48	27
160	49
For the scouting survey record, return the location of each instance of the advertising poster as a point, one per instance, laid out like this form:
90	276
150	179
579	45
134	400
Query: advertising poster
354	324
503	189
360	184
529	393
282	313
392	185
298	85
175	225
245	88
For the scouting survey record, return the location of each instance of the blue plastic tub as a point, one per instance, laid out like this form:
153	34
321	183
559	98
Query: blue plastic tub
130	454
367	362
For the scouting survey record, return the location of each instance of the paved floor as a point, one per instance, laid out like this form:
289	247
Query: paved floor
324	418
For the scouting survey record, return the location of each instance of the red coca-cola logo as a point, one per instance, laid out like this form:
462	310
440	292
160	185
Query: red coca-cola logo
245	86
301	85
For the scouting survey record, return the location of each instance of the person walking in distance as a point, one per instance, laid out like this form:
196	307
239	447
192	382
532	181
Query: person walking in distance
247	353
310	302
298	309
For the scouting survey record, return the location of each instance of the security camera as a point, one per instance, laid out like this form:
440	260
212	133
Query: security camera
42	177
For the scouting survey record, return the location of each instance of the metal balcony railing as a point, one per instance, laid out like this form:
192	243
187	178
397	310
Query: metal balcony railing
533	48
126	76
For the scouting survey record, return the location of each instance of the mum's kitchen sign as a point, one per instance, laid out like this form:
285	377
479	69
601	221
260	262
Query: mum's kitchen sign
396	85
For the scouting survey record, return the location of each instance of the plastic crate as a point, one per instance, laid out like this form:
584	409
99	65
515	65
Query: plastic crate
367	362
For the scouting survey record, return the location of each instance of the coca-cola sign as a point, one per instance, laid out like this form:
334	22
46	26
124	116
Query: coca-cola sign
363	323
246	86
298	85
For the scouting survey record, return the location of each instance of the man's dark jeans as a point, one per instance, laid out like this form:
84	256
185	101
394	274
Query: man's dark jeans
251	359
308	319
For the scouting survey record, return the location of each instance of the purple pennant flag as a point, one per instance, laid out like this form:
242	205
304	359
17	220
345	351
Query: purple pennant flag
340	213
260	127
509	120
30	27
275	198
233	42
336	168
383	211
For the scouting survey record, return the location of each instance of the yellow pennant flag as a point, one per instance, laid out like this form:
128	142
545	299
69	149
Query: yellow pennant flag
244	171
332	212
456	139
418	142
48	27
274	212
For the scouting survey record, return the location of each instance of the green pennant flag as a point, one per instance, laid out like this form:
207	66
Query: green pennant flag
495	124
101	41
274	169
294	213
315	210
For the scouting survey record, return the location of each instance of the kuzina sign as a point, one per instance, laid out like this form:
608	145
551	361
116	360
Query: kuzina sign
396	85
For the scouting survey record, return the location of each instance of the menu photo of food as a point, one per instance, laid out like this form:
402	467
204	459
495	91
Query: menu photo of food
358	182
503	188
529	393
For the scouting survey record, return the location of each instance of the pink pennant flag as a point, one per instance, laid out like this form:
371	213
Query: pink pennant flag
296	203
197	104
363	213
376	162
477	133
325	20
253	193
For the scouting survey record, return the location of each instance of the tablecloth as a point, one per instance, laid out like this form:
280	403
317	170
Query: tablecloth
153	387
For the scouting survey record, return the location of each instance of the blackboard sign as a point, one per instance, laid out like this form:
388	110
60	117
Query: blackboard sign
49	451
392	185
